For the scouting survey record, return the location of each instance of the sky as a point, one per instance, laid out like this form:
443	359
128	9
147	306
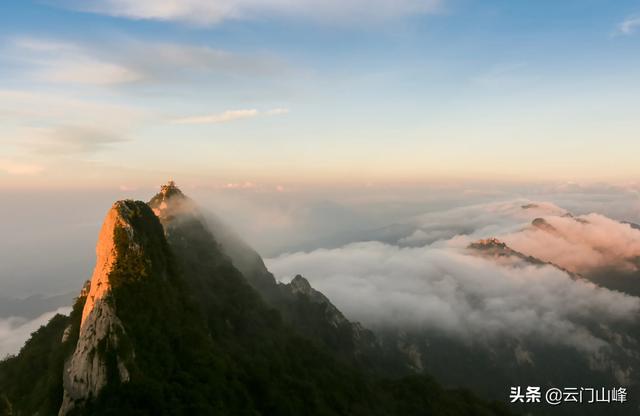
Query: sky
122	94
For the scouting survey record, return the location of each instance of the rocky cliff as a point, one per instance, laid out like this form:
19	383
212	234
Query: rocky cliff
101	331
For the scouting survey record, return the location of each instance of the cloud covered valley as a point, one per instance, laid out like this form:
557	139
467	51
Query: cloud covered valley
425	277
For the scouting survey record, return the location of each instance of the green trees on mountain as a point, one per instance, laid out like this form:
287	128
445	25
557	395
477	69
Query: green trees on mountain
31	382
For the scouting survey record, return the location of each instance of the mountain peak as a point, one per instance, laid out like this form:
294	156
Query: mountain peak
170	189
301	285
493	247
165	202
488	243
542	224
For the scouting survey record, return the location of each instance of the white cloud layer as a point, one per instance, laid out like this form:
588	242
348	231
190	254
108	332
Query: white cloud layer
15	331
580	244
439	288
208	12
426	278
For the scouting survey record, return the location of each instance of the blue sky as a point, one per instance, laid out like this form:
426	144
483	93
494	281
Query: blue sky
123	93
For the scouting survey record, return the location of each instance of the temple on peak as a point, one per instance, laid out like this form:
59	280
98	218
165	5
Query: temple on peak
169	189
159	203
169	186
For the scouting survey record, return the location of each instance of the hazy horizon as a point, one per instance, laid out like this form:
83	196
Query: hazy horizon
53	233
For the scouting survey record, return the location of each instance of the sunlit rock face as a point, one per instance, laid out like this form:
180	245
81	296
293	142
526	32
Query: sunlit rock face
101	331
85	374
105	256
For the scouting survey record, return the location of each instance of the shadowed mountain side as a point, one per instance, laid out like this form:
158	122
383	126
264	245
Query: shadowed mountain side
313	315
614	279
307	310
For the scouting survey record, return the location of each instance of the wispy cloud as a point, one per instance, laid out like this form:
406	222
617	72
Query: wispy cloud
69	139
87	71
38	108
629	26
227	116
208	12
132	61
56	61
43	125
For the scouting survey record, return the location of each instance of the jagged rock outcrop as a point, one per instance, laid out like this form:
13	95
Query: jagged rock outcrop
86	372
542	224
493	247
301	286
498	250
313	314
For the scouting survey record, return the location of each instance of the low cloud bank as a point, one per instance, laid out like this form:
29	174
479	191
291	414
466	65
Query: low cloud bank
15	331
441	285
581	244
476	221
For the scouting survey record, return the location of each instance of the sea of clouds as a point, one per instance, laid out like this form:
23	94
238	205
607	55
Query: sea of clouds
423	276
